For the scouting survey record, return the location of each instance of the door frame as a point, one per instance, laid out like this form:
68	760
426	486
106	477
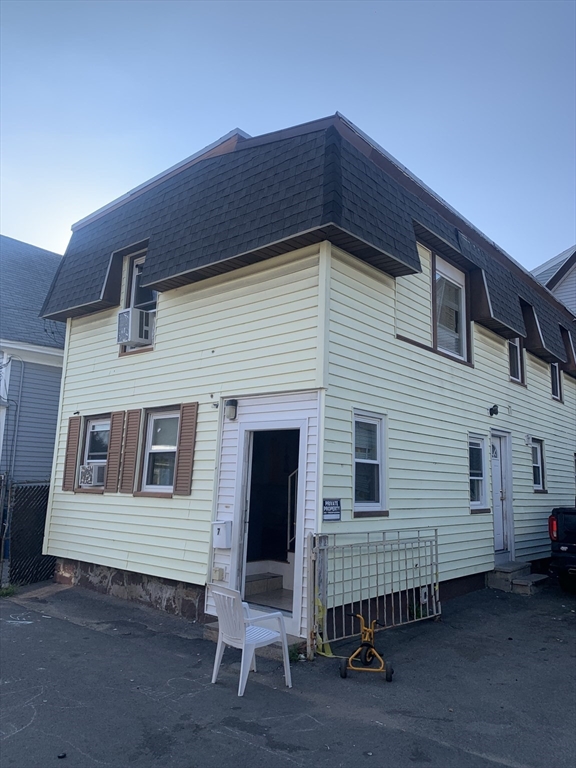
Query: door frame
507	505
241	509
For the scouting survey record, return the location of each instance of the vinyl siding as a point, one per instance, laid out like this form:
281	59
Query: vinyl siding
566	290
32	412
430	405
412	290
253	331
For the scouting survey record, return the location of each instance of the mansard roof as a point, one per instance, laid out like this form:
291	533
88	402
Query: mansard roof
245	199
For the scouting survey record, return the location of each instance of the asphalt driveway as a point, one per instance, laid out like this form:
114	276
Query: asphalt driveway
109	683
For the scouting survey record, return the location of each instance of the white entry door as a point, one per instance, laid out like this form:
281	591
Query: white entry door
267	469
501	501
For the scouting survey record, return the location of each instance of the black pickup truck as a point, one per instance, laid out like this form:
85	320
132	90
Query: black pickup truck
562	530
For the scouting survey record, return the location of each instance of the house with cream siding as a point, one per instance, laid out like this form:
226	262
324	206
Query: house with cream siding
287	323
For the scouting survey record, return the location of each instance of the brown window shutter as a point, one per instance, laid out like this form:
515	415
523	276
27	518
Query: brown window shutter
185	453
114	452
130	453
71	457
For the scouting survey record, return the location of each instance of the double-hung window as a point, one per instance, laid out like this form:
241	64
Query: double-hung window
477	472
555	381
142	301
136	451
160	451
516	360
140	297
96	443
538	464
450	299
368	464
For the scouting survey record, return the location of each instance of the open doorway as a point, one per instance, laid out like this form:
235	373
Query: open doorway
272	508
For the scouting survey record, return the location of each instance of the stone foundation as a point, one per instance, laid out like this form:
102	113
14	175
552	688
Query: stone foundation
176	597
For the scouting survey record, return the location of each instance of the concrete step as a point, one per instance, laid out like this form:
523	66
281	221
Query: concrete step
273	651
529	585
262	582
503	575
514	566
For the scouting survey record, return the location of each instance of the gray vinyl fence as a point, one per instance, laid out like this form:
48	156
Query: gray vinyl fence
387	576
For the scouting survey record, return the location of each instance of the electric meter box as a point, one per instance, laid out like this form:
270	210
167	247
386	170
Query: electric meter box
222	534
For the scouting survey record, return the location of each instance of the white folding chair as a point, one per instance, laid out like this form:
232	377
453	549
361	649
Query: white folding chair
238	629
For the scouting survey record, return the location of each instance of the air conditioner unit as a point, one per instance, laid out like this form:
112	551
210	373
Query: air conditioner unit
92	474
135	327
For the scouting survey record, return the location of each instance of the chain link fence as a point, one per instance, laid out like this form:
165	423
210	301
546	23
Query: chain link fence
23	508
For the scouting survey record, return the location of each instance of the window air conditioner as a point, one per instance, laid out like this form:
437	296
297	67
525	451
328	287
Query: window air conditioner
135	327
92	474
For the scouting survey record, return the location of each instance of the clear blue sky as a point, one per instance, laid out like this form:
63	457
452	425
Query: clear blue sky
475	98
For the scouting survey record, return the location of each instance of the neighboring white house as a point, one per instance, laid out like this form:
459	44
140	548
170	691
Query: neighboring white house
286	320
559	276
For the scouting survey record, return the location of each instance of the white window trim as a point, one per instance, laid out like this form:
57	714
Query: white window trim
136	263
516	342
150	418
458	278
558	377
94	462
539	444
133	262
379	420
482	503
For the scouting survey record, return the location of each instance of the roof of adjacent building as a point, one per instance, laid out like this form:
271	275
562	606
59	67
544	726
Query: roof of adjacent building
26	273
552	271
246	199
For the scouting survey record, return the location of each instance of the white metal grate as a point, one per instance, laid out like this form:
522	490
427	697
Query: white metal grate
389	576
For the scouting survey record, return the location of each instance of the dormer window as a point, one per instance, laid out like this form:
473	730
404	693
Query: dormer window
555	381
141	298
136	323
516	360
450	320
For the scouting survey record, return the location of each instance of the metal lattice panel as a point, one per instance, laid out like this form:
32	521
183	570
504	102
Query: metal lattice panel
389	576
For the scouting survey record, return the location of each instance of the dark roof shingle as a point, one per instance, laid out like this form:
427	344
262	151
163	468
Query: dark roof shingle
266	195
26	273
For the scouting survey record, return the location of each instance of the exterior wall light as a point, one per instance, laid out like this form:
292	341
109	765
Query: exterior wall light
231	409
493	411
